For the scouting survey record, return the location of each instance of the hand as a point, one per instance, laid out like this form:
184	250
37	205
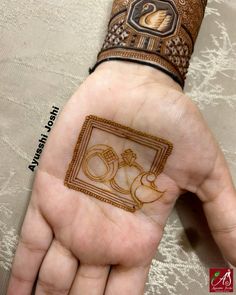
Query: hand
80	245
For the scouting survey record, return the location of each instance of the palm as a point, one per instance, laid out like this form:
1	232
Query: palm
95	233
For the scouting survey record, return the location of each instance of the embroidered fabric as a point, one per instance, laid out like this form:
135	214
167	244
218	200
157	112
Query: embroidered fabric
46	44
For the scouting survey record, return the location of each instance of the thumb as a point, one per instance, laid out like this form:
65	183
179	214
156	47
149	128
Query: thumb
218	195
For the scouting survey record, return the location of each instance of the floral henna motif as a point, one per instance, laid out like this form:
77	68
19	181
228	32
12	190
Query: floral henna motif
121	177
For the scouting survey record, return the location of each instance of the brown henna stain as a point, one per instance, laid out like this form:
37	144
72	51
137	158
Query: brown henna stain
157	33
106	184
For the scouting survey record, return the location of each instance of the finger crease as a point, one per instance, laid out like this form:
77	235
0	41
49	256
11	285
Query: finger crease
91	277
51	288
31	247
20	279
229	229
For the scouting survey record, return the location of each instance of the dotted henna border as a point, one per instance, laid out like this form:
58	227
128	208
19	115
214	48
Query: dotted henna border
90	119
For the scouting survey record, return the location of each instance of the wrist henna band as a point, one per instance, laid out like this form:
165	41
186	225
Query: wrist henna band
158	33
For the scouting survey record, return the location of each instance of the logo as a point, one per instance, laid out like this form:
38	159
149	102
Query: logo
154	17
221	280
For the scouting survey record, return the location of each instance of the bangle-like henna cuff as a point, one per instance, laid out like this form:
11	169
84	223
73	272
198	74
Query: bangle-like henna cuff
158	33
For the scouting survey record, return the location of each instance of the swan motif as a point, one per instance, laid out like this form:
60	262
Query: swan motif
144	190
155	19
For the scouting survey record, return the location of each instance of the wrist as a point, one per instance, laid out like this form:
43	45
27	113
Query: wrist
140	74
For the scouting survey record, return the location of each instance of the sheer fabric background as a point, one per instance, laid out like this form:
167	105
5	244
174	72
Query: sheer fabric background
46	48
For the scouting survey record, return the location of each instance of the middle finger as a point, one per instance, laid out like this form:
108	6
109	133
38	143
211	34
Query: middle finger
90	280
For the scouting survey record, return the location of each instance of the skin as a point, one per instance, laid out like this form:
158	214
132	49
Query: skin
80	245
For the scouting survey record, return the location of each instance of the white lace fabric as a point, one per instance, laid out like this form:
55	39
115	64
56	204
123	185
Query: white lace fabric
45	54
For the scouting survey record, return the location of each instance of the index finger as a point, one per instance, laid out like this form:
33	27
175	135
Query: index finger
219	202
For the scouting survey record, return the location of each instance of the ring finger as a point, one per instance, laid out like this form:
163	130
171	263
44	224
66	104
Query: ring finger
57	271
